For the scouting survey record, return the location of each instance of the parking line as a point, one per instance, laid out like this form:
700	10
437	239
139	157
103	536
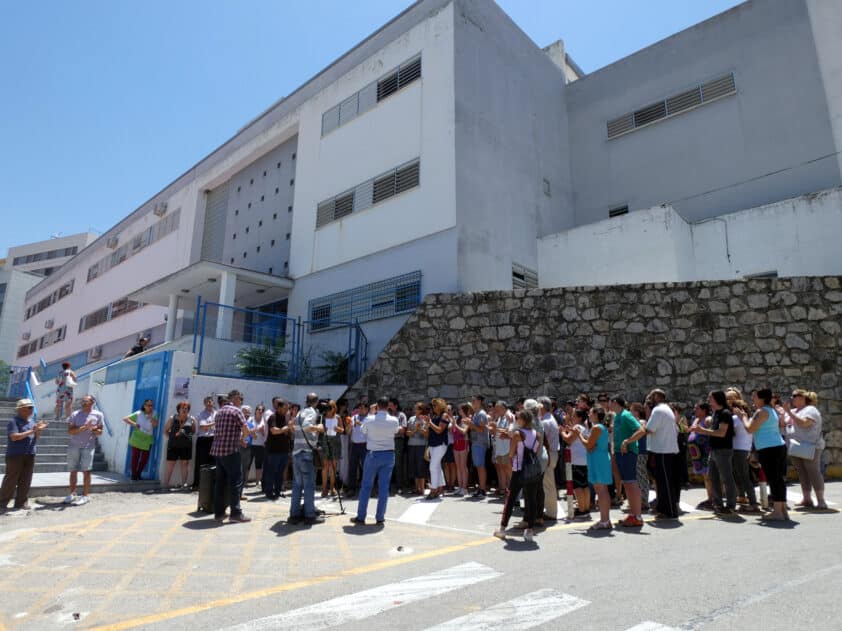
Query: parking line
286	587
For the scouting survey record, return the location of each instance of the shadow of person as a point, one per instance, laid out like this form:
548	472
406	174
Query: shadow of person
665	524
58	505
516	545
776	524
202	524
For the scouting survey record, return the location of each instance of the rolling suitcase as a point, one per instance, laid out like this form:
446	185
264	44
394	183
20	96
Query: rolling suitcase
207	481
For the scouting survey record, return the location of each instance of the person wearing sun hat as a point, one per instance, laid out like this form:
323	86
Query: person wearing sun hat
22	433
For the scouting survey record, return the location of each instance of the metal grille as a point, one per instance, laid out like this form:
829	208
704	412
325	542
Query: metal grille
719	87
409	72
673	105
387	86
381	299
684	101
363	196
523	277
362	101
649	114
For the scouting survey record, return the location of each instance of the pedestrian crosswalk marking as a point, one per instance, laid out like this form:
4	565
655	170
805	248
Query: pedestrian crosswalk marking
651	626
525	612
419	512
370	602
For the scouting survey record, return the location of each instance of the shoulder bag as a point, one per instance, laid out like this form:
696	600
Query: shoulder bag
530	465
801	449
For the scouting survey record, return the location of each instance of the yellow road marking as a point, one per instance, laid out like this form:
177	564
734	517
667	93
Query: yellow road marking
286	587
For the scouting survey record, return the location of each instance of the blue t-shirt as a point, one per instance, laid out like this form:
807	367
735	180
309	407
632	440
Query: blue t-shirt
769	434
20	447
434	439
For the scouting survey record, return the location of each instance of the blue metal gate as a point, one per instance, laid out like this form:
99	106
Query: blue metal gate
151	383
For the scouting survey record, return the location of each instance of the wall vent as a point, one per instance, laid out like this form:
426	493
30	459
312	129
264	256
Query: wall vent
112	242
26	336
49	324
673	105
160	209
95	352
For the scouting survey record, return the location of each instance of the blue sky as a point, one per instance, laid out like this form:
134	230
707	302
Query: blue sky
104	102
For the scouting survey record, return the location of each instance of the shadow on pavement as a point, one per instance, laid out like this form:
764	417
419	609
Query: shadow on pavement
359	530
777	525
513	545
665	524
58	505
202	524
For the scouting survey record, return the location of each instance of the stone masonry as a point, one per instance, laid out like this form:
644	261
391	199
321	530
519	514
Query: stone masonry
687	338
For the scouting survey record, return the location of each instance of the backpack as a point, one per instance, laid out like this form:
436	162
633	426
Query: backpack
530	466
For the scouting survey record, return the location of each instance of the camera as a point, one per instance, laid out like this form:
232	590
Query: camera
323	406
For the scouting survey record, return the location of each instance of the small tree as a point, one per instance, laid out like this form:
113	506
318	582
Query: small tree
262	361
334	367
4	377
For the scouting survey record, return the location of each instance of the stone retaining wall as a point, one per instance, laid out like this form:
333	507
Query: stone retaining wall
687	338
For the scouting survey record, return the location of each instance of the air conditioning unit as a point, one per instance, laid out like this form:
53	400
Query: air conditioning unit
26	336
95	353
160	209
112	242
49	324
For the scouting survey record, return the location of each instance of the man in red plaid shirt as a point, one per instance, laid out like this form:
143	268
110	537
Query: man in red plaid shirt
229	432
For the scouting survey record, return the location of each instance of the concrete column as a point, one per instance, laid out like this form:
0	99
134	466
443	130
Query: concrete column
172	313
225	317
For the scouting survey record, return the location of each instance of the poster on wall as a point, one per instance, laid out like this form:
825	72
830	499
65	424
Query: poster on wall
182	387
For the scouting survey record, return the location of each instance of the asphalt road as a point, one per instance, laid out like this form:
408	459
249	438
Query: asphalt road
147	561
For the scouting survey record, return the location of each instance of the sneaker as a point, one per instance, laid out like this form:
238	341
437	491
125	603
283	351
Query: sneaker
240	518
70	499
82	499
500	533
219	518
521	525
528	535
357	521
631	522
318	519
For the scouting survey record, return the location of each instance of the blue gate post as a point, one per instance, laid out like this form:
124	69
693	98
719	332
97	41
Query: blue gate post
196	321
348	370
202	338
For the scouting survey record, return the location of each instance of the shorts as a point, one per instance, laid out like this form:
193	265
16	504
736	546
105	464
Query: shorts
179	453
64	394
627	465
448	456
80	459
333	448
478	455
502	460
580	476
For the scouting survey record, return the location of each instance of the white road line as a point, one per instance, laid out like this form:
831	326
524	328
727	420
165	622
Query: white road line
525	612
651	626
419	512
370	602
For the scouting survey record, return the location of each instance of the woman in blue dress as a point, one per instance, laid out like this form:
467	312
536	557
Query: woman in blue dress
599	464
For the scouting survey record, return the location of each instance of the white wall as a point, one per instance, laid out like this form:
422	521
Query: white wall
826	23
11	312
795	237
254	392
416	121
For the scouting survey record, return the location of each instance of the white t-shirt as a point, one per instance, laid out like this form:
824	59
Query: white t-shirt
260	431
661	431
330	425
742	439
812	434
578	451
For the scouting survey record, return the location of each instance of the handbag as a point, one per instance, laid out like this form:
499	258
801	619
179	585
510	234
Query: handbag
69	381
801	449
141	440
183	440
530	466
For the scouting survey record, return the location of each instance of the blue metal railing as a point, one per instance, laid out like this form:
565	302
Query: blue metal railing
272	346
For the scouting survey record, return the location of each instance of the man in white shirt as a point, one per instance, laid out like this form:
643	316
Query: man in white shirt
357	451
662	442
380	434
552	441
204	439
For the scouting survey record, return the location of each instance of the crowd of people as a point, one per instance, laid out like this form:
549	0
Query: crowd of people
617	450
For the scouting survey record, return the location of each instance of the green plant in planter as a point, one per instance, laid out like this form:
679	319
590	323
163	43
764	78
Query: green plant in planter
334	367
262	360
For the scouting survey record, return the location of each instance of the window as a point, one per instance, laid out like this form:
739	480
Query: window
58	294
108	312
523	277
381	299
673	105
374	191
135	244
362	101
619	210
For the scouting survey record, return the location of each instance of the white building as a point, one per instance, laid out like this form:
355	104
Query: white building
433	156
42	258
13	288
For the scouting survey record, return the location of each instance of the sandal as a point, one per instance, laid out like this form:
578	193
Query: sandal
601	525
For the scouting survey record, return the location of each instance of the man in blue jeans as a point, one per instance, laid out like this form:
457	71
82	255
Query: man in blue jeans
230	431
306	430
380	434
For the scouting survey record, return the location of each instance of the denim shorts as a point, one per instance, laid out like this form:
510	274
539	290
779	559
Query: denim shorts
627	464
80	459
478	455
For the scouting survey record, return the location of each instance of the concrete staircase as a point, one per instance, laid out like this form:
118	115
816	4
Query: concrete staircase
52	445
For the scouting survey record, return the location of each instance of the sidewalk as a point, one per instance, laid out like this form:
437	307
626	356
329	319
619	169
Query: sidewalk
55	484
